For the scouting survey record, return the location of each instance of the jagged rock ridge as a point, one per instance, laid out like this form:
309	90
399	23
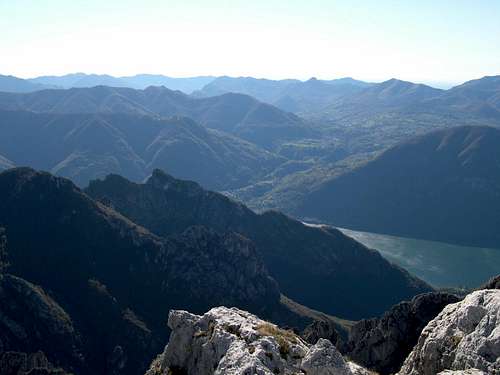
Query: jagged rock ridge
114	281
234	342
329	263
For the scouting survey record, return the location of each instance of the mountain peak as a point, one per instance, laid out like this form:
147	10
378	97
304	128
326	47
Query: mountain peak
160	175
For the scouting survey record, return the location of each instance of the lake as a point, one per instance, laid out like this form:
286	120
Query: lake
440	264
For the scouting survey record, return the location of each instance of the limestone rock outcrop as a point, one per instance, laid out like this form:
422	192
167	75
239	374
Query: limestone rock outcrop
465	336
493	283
462	372
230	341
382	344
321	329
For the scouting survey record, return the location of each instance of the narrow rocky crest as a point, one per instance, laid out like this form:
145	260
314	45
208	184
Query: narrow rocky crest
234	342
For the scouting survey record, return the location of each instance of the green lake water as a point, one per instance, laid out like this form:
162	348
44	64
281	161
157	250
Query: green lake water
440	264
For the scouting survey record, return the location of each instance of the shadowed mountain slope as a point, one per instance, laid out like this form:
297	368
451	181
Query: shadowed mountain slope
320	268
114	281
441	186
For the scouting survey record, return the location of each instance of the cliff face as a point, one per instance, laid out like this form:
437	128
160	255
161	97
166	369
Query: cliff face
464	336
382	344
234	342
463	339
493	283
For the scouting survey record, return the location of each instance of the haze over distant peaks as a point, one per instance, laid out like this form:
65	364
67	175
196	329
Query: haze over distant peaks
139	81
14	84
289	94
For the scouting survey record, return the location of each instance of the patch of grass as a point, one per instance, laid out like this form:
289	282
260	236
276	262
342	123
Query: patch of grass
456	339
283	337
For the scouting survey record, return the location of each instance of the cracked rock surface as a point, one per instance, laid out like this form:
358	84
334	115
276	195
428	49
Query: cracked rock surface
464	339
234	342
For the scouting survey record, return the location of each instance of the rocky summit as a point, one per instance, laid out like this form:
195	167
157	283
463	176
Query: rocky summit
234	342
465	336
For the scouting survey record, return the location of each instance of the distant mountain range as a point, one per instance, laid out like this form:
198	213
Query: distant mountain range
441	186
327	99
88	146
238	114
473	98
289	95
358	127
80	80
14	84
254	151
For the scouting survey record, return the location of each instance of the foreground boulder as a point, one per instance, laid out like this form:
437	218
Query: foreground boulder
231	341
464	336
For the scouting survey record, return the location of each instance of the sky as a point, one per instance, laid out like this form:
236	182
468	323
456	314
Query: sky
439	42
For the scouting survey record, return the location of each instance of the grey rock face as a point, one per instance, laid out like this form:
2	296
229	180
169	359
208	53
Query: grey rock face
493	283
230	341
464	336
463	372
324	359
321	329
382	344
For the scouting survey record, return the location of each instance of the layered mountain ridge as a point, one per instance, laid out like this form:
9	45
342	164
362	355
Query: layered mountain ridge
237	114
114	281
320	256
88	146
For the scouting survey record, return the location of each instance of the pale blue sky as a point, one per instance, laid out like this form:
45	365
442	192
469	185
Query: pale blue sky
425	41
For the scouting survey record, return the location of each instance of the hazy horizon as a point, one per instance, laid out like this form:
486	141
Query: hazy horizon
436	84
440	44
